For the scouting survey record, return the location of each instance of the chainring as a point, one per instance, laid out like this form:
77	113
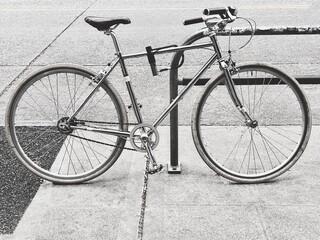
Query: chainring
144	132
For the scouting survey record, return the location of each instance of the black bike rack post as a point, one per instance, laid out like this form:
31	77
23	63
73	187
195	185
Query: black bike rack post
175	166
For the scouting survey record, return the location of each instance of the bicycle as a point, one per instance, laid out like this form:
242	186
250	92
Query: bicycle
68	124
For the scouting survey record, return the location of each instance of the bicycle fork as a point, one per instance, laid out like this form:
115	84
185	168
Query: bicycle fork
230	85
235	99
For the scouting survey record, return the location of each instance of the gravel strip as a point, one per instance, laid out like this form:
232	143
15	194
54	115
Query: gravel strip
18	185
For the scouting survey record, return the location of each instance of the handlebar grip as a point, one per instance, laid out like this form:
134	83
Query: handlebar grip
192	21
224	12
213	11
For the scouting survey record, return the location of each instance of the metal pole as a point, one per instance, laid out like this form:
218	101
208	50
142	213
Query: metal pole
174	166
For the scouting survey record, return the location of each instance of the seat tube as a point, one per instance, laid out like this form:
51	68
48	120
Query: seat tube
127	78
118	53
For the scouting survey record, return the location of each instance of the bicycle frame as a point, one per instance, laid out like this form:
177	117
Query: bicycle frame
120	60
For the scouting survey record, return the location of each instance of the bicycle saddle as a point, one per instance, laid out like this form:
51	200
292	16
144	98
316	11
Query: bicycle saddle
104	23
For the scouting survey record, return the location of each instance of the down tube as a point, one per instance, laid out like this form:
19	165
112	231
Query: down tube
185	90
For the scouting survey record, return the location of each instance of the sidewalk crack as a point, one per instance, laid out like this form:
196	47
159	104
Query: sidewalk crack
43	51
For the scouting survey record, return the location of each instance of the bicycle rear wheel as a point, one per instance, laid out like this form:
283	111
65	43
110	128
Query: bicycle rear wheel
48	98
255	153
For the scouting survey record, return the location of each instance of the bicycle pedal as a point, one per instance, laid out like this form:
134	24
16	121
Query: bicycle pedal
157	169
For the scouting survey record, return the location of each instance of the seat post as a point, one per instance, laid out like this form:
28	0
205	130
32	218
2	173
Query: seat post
118	52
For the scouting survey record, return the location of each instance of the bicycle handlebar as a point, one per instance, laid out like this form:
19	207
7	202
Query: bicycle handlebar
224	12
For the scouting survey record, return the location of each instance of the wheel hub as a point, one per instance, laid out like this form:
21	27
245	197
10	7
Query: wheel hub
64	126
252	124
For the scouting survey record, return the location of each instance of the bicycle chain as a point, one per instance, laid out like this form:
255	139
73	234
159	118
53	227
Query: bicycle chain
95	141
143	199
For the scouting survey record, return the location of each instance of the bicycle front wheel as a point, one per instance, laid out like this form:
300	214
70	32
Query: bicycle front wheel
257	152
43	103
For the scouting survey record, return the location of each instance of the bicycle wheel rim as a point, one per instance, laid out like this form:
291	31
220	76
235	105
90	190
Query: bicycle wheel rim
65	143
250	155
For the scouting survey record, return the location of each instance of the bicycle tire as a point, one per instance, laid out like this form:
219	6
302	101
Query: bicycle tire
44	98
248	154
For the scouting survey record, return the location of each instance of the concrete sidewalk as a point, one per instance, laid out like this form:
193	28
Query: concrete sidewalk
196	204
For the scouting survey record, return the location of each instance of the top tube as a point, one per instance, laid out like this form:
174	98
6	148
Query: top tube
168	50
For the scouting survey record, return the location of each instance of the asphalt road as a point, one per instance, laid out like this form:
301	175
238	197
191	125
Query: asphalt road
36	33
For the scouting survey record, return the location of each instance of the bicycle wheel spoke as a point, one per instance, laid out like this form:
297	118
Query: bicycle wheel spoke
227	108
65	155
270	144
265	87
40	110
89	148
96	103
86	153
268	111
55	100
39	153
50	91
80	96
270	148
245	155
35	139
266	150
72	102
258	155
275	141
71	159
236	147
94	150
282	135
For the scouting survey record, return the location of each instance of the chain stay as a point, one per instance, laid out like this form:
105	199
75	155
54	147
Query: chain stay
99	142
107	144
100	122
